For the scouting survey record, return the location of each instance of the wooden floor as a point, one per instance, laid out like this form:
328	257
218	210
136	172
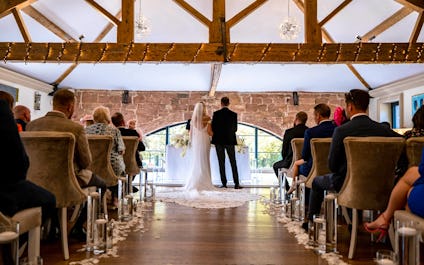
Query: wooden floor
244	235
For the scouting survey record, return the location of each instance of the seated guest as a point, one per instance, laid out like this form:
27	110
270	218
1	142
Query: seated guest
101	126
22	116
298	131
17	193
119	122
360	124
87	120
8	98
324	129
58	120
408	193
340	116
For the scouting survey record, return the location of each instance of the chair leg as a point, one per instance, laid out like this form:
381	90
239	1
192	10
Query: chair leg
34	243
346	215
353	233
64	232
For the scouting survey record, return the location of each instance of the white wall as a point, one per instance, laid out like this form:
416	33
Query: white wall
27	87
401	91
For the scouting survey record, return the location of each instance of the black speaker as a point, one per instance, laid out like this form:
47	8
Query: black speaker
295	99
125	97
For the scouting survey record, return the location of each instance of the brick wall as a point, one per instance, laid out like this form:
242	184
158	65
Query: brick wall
273	112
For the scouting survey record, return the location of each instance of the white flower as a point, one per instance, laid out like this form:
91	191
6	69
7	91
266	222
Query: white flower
240	145
181	141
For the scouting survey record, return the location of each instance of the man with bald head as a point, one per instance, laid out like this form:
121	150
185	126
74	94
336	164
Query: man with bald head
22	116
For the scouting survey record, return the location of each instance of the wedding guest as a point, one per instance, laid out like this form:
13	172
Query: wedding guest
101	126
360	124
8	98
340	116
408	193
87	120
325	128
298	131
22	116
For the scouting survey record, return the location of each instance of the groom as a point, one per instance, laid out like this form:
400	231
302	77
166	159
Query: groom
224	127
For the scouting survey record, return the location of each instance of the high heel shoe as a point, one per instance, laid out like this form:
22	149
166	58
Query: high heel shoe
381	230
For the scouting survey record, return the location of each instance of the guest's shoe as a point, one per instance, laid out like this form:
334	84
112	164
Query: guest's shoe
223	186
381	229
238	187
305	226
79	234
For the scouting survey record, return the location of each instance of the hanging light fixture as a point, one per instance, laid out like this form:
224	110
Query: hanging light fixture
142	24
289	28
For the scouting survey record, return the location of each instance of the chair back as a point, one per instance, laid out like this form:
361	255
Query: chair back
100	148
414	148
131	144
297	146
320	149
371	163
51	157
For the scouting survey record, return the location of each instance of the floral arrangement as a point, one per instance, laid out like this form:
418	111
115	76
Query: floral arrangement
181	141
240	147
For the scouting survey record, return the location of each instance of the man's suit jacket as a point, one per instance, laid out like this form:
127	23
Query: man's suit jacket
140	147
358	126
57	121
323	130
224	127
297	131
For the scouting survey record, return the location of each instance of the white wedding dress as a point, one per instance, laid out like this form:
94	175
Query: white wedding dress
198	190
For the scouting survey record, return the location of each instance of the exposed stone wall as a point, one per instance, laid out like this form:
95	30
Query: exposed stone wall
273	112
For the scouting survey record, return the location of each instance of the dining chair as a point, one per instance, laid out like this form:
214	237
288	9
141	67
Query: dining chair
131	167
414	148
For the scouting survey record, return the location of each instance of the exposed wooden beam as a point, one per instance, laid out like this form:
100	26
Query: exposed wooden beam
334	12
21	24
339	53
6	6
104	12
383	26
300	5
245	12
215	74
47	23
358	75
100	37
312	28
126	27
417	28
417	5
218	23
192	11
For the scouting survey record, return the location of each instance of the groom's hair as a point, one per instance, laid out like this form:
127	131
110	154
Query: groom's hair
118	119
225	101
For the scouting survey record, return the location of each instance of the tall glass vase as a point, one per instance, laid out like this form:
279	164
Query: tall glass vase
125	205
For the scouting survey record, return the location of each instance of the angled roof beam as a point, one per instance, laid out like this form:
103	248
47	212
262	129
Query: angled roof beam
383	26
417	28
126	26
99	38
215	75
47	23
104	12
21	24
334	12
6	6
417	5
245	12
192	11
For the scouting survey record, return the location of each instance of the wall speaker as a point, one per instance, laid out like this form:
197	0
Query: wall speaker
125	97
295	99
37	101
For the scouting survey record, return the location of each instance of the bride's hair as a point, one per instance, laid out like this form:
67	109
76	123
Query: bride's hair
197	117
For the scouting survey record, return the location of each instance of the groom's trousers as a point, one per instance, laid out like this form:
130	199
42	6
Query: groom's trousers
220	152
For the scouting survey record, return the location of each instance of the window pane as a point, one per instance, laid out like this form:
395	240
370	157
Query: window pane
268	149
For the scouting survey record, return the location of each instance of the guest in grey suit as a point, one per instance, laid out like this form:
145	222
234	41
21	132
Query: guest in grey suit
360	124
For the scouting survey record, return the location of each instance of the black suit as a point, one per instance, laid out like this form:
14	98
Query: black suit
140	147
297	131
358	126
16	193
224	127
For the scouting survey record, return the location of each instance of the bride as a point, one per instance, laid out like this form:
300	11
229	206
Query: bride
200	133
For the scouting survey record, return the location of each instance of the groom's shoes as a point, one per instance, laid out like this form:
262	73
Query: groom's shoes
238	187
223	186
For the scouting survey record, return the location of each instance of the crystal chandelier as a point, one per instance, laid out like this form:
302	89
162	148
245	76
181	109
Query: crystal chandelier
142	24
289	28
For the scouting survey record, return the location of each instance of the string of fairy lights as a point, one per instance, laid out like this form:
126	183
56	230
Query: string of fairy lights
380	52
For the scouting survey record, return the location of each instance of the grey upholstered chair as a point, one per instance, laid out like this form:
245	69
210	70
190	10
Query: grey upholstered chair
131	144
51	156
371	163
414	147
320	148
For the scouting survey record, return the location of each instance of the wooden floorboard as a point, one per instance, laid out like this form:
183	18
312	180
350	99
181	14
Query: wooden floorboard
243	235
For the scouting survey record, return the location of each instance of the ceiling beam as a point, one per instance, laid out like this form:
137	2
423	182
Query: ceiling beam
192	11
21	24
417	28
417	5
47	23
245	12
103	12
358	75
218	28
334	12
126	26
383	26
100	37
336	53
312	28
215	75
6	6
